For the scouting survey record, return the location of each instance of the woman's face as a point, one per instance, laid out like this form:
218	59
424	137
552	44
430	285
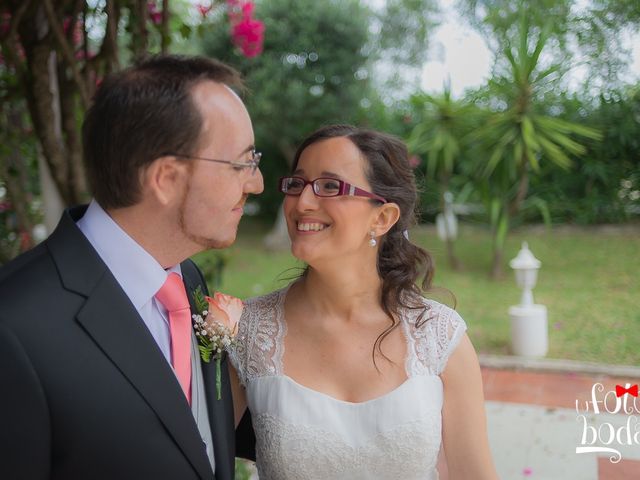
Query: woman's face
327	228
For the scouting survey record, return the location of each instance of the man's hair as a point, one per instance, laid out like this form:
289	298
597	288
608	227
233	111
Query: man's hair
140	114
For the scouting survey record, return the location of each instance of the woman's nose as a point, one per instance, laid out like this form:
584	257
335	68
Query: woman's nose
307	200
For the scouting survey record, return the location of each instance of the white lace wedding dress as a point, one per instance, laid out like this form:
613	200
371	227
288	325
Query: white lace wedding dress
305	434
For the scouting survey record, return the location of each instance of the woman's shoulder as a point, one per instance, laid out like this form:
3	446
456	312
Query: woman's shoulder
436	329
436	314
268	301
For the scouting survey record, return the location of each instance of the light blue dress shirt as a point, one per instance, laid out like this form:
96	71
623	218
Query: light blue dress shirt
137	272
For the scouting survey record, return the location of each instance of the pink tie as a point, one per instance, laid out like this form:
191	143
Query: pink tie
174	298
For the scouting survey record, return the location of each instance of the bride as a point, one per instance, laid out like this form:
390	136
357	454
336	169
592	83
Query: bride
349	372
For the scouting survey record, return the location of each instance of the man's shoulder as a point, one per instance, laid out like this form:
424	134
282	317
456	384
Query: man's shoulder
27	266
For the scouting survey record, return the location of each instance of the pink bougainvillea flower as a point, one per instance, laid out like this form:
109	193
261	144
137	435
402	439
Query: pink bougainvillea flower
527	472
154	14
225	309
414	161
247	9
248	35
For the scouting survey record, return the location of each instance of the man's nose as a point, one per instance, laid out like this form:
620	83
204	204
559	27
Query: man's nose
254	183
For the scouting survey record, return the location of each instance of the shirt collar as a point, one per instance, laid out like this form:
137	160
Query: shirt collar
137	272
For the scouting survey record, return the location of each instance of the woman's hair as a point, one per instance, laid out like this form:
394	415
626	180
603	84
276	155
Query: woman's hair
402	266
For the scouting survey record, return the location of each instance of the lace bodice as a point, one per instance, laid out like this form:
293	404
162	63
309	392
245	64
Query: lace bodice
305	434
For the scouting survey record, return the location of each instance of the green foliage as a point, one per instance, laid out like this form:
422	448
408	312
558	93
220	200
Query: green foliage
519	138
440	133
591	192
242	470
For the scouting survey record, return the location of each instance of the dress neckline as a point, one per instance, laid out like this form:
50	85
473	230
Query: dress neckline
392	393
279	360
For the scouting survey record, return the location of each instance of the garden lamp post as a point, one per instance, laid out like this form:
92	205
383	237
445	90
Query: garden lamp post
529	329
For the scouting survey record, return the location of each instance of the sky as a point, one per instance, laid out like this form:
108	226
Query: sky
462	56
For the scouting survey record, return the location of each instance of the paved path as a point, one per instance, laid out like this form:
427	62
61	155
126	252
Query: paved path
534	427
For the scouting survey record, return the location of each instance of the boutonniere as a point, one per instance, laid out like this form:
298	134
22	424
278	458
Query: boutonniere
216	326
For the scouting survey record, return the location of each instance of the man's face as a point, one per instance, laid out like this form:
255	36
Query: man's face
216	192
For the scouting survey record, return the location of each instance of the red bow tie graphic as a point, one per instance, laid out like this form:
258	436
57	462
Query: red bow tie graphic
632	390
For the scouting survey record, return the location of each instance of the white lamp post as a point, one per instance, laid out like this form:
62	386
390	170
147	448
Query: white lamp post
529	329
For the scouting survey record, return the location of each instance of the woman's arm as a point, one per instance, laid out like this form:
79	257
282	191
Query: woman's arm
239	395
464	425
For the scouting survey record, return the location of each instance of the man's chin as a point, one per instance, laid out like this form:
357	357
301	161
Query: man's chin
212	243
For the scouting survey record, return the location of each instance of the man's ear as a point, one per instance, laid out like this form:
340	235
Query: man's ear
164	179
387	216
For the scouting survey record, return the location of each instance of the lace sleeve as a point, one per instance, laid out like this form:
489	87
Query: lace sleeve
258	347
237	355
450	327
435	339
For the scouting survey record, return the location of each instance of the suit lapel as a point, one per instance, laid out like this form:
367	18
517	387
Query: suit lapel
220	411
112	322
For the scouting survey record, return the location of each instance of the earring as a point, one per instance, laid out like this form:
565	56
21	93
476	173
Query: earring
373	242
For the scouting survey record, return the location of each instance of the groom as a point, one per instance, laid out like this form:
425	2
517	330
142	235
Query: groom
100	377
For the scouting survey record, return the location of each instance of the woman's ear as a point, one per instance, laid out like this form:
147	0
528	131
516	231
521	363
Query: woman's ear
387	216
164	179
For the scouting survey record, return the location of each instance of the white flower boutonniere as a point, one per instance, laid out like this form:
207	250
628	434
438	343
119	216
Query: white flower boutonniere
216	327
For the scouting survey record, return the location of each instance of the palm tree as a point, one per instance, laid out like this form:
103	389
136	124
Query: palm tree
439	136
520	137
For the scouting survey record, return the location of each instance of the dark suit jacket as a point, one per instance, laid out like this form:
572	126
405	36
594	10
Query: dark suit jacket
86	392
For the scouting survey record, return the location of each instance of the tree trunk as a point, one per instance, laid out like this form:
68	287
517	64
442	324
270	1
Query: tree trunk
43	95
52	203
165	39
497	273
445	208
454	261
523	189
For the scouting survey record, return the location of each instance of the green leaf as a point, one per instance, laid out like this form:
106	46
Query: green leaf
543	208
199	300
501	232
566	142
205	353
555	153
185	31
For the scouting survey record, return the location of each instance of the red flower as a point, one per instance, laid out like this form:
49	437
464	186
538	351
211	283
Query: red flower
154	14
248	35
247	9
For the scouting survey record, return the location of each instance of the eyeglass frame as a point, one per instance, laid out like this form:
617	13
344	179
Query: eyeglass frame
254	163
345	188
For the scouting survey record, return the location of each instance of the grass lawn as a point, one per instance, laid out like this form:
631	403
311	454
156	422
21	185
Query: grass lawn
589	281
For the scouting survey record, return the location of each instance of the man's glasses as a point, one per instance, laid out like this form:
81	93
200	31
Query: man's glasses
253	164
324	187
